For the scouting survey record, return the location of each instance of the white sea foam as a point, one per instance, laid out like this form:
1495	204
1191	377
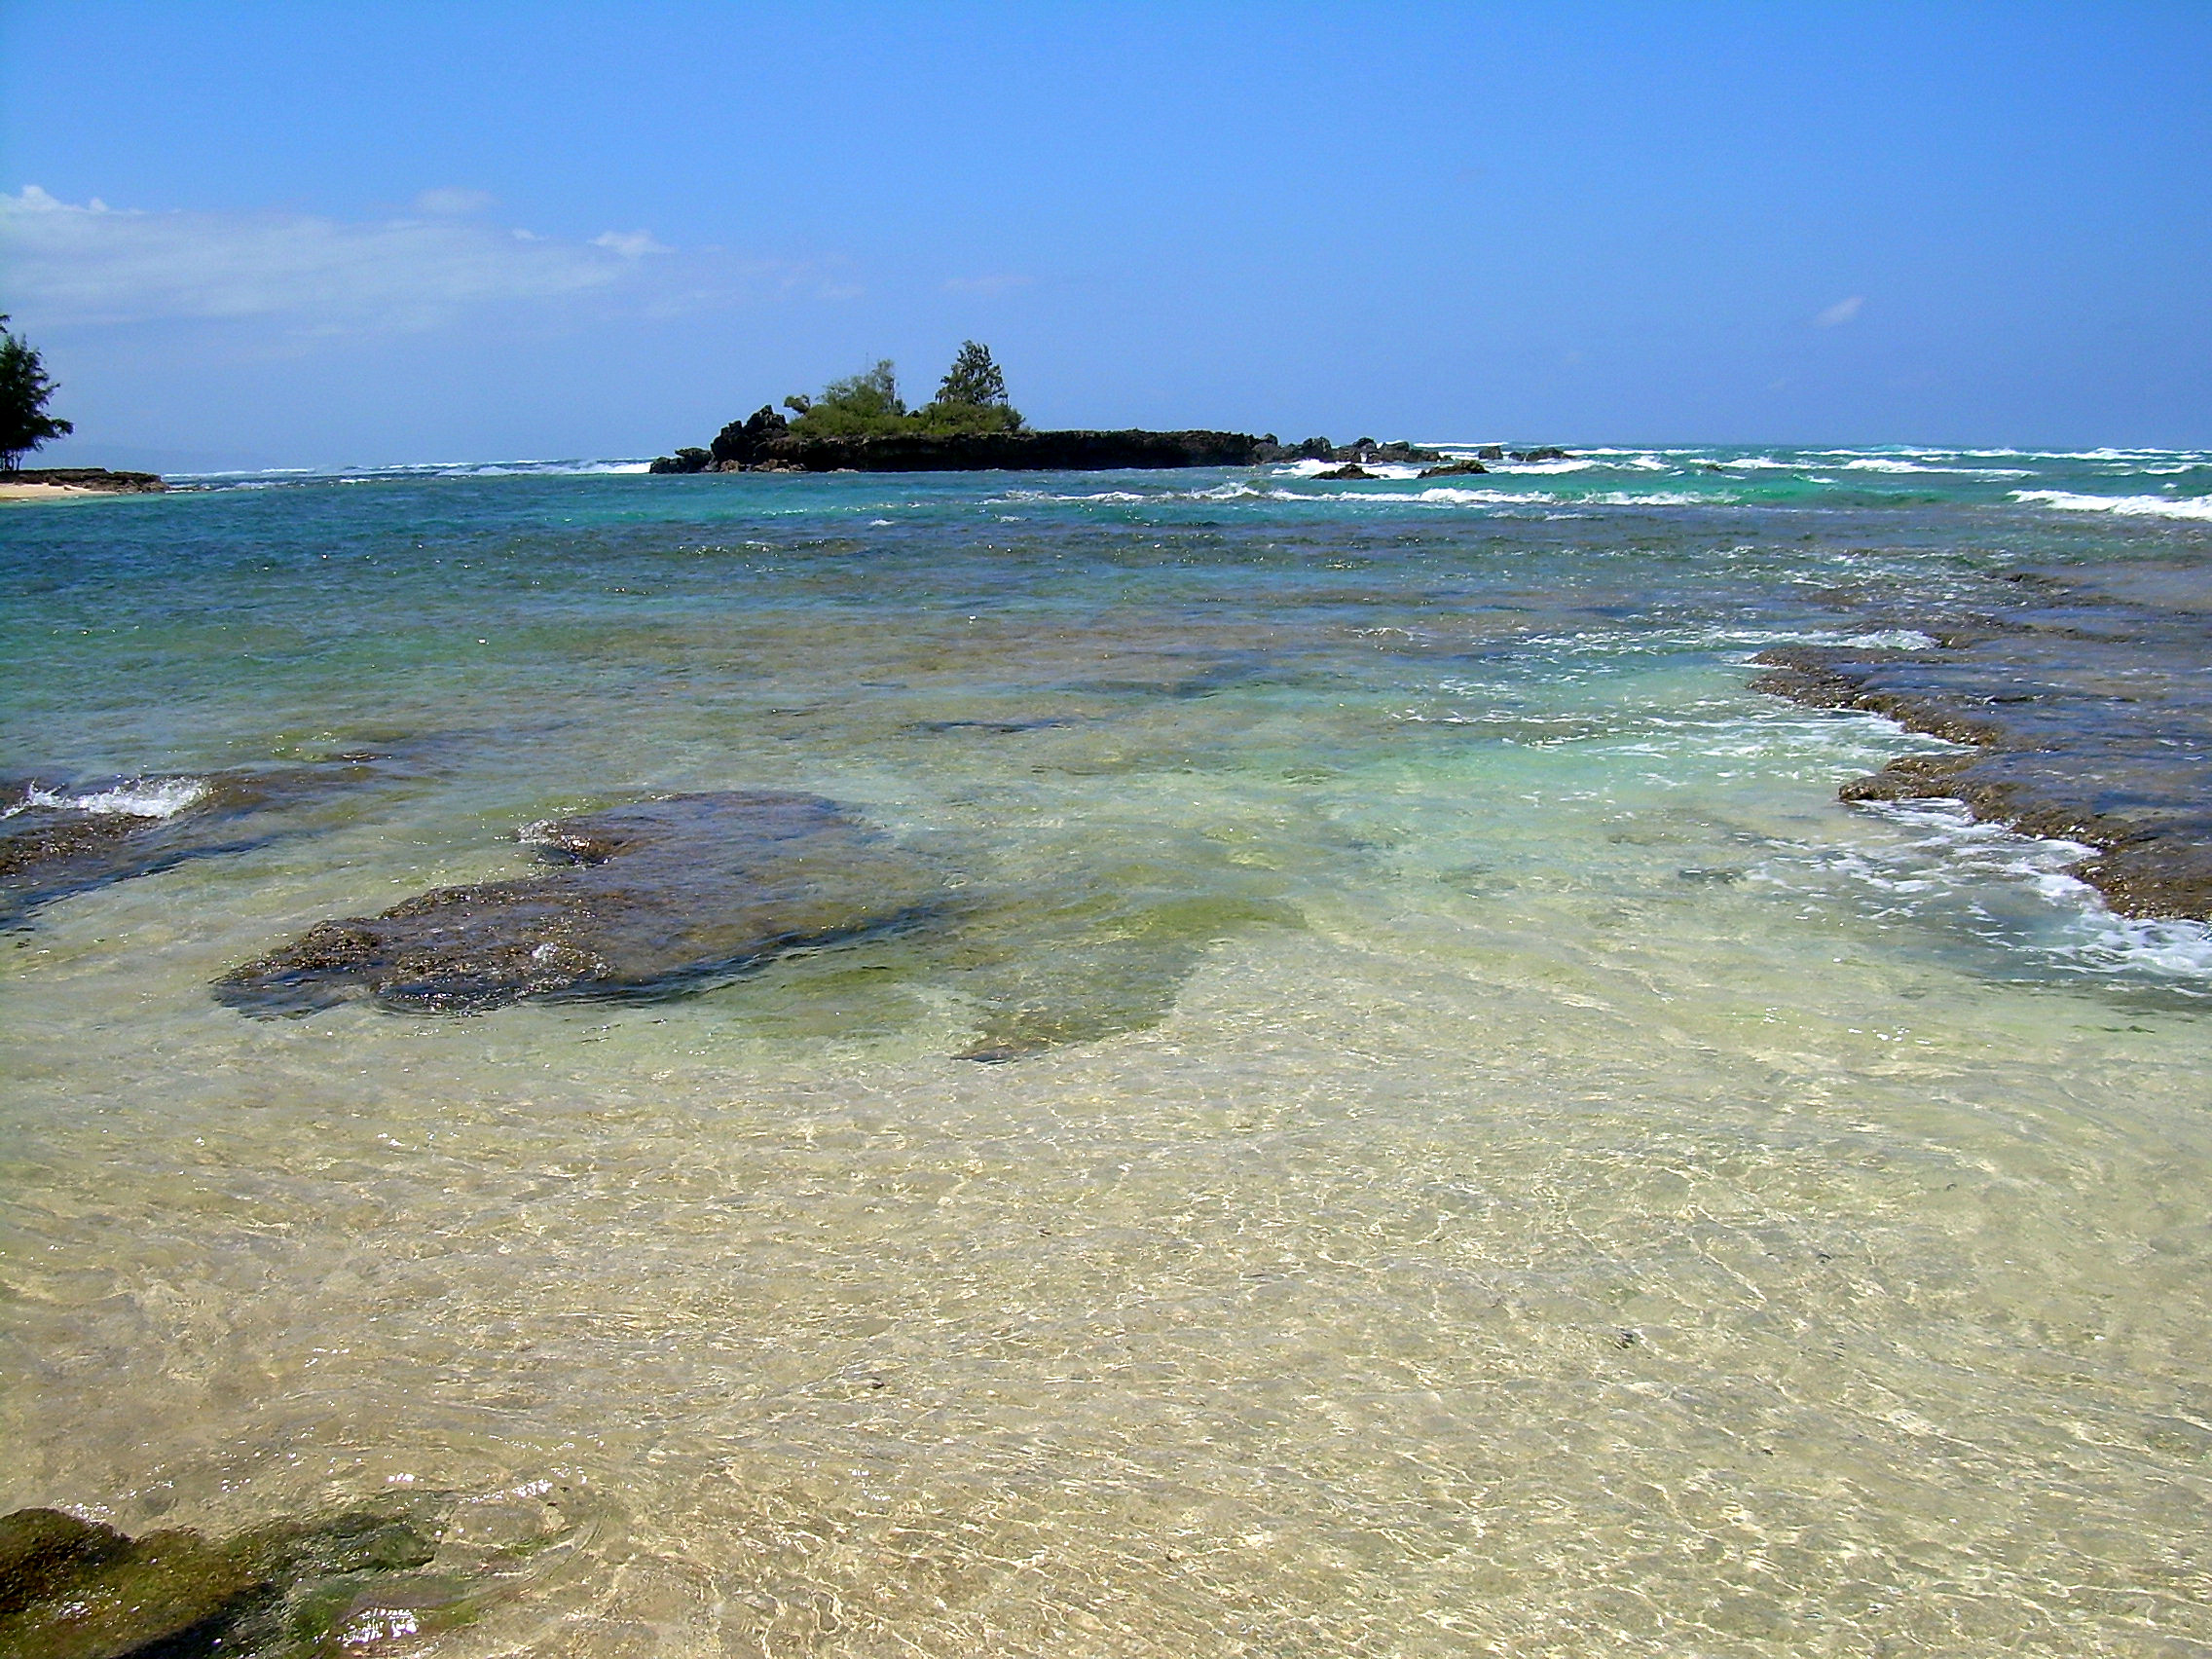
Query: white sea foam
140	798
1887	463
1444	496
1953	868
1380	468
1642	461
1019	496
1665	641
2198	508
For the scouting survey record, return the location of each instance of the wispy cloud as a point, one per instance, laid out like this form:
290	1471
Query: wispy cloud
630	244
1839	313
94	264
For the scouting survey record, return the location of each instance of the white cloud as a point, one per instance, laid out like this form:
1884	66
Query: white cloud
1839	313
70	265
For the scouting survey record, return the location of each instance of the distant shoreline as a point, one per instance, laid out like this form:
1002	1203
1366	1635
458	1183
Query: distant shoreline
75	482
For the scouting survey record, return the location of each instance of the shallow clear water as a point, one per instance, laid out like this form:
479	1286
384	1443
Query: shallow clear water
1539	1173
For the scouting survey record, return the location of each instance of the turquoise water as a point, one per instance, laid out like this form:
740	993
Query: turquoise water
1517	1166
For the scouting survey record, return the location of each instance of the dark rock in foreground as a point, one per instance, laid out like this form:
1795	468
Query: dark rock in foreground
2089	714
1347	473
89	478
1454	469
651	900
72	1589
63	839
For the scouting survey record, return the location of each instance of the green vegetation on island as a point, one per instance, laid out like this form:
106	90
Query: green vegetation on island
969	399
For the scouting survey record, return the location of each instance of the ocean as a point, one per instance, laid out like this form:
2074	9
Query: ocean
1416	1122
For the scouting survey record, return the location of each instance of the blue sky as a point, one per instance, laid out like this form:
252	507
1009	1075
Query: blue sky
303	234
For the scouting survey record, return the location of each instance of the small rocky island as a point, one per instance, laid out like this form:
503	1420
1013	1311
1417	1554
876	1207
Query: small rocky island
861	424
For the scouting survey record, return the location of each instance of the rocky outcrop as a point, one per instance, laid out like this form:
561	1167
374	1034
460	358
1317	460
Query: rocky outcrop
1498	451
747	442
2086	713
89	478
764	442
1454	469
1360	451
1348	472
647	900
980	451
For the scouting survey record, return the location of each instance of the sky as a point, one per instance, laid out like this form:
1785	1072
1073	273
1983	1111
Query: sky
317	235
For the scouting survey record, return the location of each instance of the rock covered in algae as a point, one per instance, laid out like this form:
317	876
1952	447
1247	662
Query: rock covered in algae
650	900
75	1589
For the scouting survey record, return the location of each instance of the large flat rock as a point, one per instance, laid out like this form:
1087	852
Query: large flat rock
651	899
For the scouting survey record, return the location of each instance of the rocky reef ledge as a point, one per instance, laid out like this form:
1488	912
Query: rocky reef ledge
763	442
2083	712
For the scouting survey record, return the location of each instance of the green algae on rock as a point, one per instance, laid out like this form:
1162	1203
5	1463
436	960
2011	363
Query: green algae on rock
75	1589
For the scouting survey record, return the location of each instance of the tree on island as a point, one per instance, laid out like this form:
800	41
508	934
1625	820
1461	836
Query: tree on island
971	396
970	399
24	423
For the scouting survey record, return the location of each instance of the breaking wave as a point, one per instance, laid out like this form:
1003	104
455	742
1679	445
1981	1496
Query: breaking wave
140	798
2198	508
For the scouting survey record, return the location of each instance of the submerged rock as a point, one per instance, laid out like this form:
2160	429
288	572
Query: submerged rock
1101	957
1454	469
57	839
1347	472
74	1589
685	893
651	899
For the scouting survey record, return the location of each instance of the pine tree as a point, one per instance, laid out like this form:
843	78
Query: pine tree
24	423
972	400
973	380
